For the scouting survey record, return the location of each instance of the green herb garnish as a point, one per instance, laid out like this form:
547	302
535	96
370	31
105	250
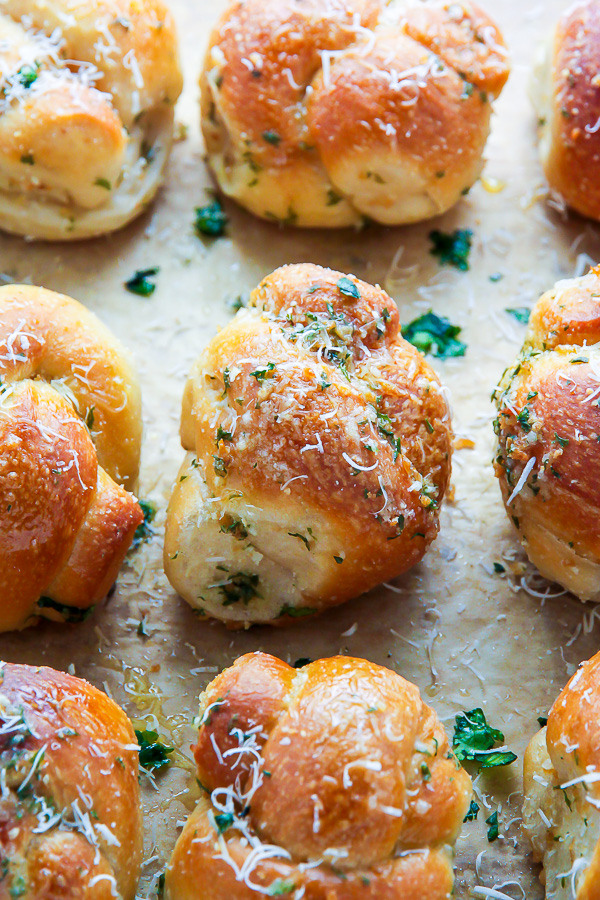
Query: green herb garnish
435	334
474	737
211	219
348	288
140	283
452	249
492	821
72	614
271	137
154	755
144	532
472	812
521	313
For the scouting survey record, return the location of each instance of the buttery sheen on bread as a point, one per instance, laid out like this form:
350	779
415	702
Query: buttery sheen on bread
70	804
319	445
566	95
330	782
87	96
548	428
561	813
321	114
70	436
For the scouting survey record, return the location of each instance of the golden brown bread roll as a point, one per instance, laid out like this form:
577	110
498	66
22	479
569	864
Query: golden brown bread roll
330	782
70	816
87	96
561	812
321	114
319	452
70	435
548	432
567	101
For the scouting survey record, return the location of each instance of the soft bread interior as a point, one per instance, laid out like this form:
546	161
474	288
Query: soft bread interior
50	218
564	828
217	562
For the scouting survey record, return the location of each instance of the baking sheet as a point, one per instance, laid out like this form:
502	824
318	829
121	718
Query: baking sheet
466	635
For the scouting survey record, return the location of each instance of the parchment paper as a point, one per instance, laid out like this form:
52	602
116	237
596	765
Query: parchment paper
466	635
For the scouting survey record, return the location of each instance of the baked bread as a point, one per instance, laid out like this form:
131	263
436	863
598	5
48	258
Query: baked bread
70	815
330	782
561	812
566	95
70	435
320	114
548	431
319	452
87	96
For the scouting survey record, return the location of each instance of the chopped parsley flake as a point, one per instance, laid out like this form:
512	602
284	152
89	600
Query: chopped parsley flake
492	821
261	374
520	313
211	219
72	614
27	159
223	821
240	587
473	738
348	288
153	753
144	532
435	334
452	249
103	183
271	137
472	812
280	887
296	612
28	74
140	283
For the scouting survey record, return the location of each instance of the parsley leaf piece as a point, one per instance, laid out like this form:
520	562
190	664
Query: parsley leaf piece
223	821
472	813
153	753
70	614
348	288
452	249
261	374
280	887
296	612
140	283
520	313
211	219
492	821
103	183
435	334
474	737
271	137
28	74
241	586
144	532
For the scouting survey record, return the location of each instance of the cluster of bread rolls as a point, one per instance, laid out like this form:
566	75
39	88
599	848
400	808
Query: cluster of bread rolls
71	823
319	445
70	437
548	431
321	114
87	96
330	781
